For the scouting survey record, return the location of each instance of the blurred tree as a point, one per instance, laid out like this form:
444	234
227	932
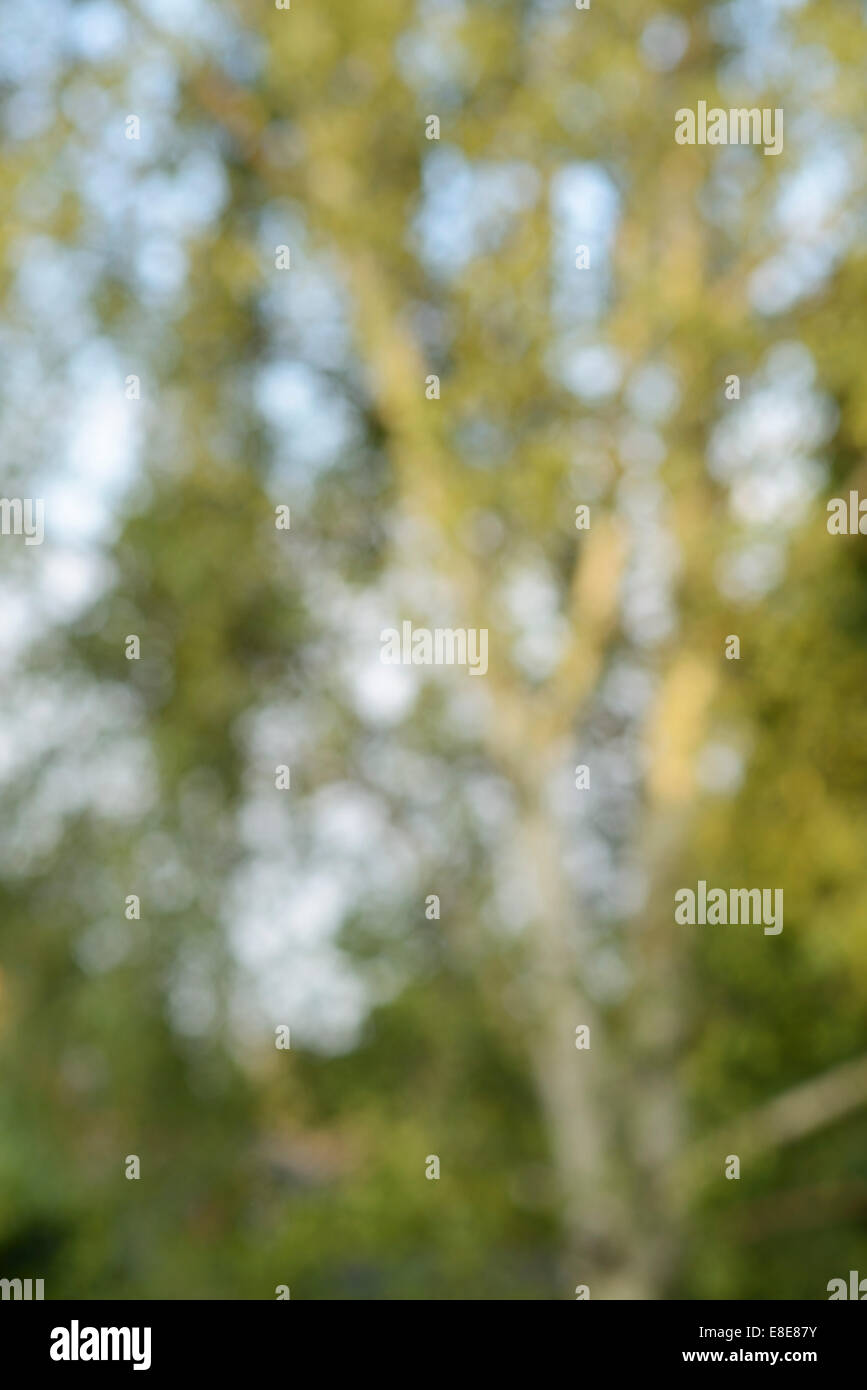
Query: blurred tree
560	387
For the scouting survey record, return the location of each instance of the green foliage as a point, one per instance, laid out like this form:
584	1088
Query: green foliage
156	777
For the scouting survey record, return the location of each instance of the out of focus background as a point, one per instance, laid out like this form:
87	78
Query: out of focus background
232	259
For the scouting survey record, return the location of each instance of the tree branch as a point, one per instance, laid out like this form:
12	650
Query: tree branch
801	1111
